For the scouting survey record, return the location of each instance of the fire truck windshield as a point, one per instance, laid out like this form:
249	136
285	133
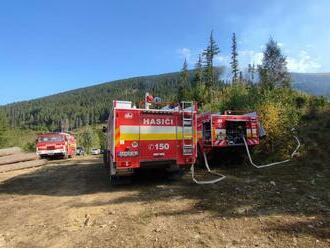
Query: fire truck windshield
51	138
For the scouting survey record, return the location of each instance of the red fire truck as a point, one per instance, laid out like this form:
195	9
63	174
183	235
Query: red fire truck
217	131
144	137
56	145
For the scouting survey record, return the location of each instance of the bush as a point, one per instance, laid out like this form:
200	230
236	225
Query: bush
29	147
88	139
279	110
279	114
234	97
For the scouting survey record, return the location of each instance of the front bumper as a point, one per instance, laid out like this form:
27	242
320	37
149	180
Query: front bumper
51	152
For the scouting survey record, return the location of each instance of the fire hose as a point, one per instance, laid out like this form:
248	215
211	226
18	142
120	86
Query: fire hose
221	177
295	152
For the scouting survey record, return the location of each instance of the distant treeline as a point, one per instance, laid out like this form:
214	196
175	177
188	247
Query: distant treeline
81	107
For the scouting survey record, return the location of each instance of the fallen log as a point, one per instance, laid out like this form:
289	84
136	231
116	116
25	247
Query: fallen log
22	165
15	158
10	151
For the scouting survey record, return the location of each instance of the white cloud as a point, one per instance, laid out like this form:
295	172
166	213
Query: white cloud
304	63
184	53
222	59
250	57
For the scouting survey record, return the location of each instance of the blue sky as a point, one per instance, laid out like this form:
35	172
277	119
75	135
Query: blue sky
57	45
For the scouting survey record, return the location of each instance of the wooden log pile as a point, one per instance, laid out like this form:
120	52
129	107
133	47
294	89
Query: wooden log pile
15	159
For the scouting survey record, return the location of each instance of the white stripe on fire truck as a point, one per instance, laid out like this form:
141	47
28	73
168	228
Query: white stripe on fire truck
147	129
128	132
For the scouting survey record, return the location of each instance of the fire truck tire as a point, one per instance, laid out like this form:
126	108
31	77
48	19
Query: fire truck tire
200	159
105	159
175	173
114	179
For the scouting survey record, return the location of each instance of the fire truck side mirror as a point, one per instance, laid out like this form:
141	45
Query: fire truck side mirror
104	129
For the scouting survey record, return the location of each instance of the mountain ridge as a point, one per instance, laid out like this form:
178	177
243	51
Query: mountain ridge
296	76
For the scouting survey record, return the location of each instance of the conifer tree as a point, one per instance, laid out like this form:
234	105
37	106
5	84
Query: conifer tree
234	60
184	84
273	72
198	84
241	78
253	72
3	128
210	73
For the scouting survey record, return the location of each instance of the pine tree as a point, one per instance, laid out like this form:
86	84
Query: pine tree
234	60
184	84
253	72
3	128
240	78
210	74
273	72
198	84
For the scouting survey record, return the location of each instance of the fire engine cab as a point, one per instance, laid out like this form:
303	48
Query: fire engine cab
150	138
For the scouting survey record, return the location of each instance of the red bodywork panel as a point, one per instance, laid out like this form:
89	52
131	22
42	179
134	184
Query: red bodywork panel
140	136
217	131
50	144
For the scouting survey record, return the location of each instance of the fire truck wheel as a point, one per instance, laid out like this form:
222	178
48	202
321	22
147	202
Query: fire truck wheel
200	157
114	179
106	160
175	174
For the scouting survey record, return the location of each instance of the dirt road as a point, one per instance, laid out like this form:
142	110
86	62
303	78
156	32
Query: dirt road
71	204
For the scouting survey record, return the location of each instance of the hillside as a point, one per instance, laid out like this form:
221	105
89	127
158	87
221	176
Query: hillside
91	105
313	83
86	105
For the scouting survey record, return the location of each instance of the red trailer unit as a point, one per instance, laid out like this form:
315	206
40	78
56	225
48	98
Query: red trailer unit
56	144
143	137
216	131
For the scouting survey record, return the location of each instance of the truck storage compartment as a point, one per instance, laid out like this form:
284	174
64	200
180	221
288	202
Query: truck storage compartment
234	132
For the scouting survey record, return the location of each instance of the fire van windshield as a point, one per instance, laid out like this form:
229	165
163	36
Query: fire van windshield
51	139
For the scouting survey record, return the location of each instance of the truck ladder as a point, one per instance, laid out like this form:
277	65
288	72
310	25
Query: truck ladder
187	127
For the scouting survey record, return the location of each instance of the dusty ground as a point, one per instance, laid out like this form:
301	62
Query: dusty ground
71	204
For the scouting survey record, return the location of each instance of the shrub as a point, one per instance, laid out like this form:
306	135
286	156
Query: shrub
88	139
